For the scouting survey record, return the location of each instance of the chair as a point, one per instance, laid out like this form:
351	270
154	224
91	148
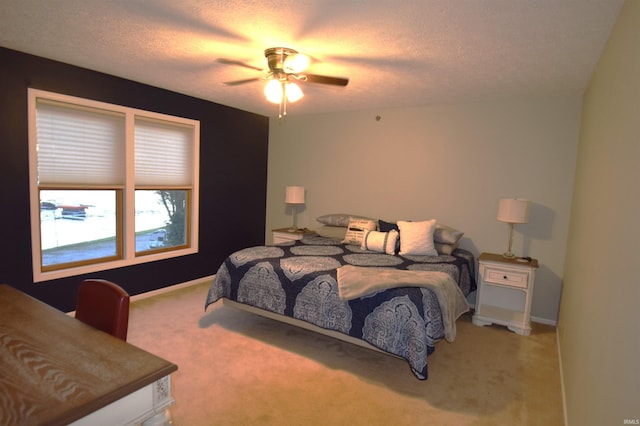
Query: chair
103	305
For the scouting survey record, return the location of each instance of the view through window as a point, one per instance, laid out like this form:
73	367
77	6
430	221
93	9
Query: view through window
81	225
77	226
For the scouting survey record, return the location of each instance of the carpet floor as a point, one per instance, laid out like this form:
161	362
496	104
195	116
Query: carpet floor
236	368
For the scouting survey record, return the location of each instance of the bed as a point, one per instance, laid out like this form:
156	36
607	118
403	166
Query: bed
375	294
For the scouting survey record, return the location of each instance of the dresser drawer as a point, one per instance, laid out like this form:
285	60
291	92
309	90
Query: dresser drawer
507	277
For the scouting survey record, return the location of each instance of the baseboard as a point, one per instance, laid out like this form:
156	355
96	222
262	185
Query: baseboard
539	320
562	389
546	321
171	288
163	290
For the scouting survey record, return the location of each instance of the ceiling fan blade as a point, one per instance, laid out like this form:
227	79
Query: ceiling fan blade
323	79
238	63
239	82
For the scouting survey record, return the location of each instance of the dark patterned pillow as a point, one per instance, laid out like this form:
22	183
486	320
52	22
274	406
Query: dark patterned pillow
389	226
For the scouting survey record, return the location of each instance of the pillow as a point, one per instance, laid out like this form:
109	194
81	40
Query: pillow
338	219
387	227
443	234
445	248
382	242
416	238
336	232
356	228
446	235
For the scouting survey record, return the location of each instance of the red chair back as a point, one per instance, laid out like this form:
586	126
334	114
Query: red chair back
103	305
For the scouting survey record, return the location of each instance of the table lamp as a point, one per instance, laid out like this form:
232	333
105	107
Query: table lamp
512	210
294	195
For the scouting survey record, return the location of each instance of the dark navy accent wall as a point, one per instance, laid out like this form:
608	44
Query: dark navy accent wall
233	176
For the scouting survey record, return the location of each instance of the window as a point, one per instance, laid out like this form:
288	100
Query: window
110	186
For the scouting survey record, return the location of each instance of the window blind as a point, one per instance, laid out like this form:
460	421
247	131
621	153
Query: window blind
79	146
163	153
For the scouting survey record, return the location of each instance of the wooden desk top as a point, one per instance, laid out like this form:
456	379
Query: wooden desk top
55	369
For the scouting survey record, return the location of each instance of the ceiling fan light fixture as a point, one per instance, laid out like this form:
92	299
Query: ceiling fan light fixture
273	91
286	68
296	63
293	91
276	91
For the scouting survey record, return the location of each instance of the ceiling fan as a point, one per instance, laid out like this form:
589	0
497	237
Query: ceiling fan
286	69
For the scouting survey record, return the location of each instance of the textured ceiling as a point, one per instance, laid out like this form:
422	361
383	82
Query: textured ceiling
396	53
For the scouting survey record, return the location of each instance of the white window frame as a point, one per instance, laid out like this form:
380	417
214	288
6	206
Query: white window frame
129	256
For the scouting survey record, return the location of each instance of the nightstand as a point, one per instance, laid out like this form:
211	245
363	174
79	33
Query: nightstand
284	235
505	291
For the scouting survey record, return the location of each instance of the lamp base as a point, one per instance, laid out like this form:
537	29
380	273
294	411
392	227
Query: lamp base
508	254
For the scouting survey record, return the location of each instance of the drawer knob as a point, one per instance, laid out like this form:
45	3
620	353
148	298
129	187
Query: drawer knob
504	277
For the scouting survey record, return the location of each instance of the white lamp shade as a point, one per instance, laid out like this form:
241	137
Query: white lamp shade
294	195
273	91
513	210
293	91
276	90
296	63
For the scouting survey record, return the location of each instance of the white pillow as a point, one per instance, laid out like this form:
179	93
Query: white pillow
416	238
383	242
356	228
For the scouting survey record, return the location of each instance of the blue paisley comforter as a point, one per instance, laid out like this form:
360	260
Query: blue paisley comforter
299	280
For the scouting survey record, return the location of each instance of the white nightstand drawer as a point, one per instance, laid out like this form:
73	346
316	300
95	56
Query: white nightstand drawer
507	277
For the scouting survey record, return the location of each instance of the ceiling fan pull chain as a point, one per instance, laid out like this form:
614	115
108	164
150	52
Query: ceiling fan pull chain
284	100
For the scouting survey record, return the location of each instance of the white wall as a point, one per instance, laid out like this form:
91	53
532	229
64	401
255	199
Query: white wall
449	162
598	326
